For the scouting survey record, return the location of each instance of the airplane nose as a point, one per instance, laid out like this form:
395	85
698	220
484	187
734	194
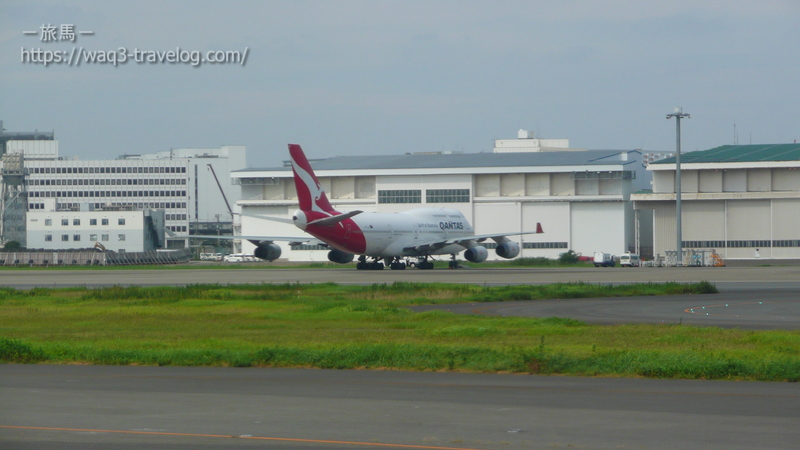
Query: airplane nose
299	219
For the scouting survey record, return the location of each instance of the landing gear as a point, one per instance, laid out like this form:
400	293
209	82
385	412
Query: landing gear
396	264
424	264
363	264
453	264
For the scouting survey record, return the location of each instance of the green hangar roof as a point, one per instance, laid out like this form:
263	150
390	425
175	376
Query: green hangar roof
740	153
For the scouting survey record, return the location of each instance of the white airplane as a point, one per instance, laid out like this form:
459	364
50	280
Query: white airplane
401	239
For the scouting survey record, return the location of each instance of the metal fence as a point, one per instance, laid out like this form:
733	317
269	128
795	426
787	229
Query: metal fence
92	258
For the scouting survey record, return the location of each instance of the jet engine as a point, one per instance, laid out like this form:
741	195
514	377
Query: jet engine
507	250
267	251
340	257
476	254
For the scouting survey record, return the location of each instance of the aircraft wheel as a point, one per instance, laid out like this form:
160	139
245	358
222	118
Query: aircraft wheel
361	266
376	266
398	266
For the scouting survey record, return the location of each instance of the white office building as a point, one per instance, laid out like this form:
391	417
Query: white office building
119	231
180	182
581	198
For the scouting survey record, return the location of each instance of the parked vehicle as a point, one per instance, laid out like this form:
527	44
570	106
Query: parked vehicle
604	259
629	260
239	257
210	256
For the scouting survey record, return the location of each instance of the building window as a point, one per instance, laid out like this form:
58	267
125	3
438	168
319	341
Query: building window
65	222
104	221
65	238
48	222
400	196
309	247
703	244
121	221
746	244
447	195
609	175
104	237
120	237
92	221
786	243
76	237
93	237
76	222
48	238
543	245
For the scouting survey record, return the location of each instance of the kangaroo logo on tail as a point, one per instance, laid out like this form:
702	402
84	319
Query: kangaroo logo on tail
309	192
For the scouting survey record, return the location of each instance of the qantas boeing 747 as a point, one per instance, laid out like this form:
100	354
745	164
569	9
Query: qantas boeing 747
401	239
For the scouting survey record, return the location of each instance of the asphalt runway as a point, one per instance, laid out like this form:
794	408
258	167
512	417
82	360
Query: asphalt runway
99	407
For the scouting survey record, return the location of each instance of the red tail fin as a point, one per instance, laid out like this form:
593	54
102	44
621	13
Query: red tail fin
309	191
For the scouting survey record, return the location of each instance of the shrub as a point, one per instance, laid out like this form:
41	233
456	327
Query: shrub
568	257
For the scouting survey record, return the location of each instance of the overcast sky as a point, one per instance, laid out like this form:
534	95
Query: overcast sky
386	77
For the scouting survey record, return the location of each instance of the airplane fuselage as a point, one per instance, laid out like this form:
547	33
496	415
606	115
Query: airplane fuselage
399	234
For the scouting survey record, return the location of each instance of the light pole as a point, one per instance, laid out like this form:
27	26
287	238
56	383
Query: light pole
678	115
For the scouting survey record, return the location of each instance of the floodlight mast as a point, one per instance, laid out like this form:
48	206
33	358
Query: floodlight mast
678	115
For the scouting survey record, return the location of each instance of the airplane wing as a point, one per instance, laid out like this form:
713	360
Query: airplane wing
435	244
255	240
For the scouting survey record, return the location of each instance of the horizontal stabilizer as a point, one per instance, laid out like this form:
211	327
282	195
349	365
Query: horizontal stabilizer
333	220
270	218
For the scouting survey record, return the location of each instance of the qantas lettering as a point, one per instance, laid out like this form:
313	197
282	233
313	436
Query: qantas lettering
451	225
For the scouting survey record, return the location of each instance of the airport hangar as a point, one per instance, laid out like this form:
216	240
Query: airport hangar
581	198
743	201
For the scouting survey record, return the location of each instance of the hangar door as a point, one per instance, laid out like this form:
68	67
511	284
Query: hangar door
600	227
554	217
496	218
749	228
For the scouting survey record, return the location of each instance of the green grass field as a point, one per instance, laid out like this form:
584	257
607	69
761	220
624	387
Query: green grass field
331	326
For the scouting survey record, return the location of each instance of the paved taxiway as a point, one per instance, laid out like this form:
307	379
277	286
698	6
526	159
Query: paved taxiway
765	309
99	407
729	277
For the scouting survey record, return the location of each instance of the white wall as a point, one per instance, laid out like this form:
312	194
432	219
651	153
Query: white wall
36	149
598	227
132	230
555	220
210	202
